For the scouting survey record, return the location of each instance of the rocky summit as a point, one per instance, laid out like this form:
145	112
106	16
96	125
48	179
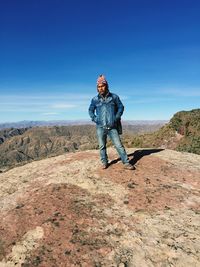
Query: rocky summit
67	211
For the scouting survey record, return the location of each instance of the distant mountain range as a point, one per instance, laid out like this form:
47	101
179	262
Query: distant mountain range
26	124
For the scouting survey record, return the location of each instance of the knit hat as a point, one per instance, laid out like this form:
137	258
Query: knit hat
101	79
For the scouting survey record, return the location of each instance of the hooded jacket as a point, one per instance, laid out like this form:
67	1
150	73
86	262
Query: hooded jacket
106	111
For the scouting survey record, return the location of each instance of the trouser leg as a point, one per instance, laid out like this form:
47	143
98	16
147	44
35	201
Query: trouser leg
102	139
114	136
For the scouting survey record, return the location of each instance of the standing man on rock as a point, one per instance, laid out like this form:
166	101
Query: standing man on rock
106	110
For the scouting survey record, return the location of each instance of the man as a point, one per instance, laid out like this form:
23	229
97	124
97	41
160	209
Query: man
106	110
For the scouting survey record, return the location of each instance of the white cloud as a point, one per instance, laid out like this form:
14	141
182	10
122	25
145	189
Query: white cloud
45	97
63	106
147	100
43	103
50	113
180	92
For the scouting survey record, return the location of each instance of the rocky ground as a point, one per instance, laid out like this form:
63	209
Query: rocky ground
67	211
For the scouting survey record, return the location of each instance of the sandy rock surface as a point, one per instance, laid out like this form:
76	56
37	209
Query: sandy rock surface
67	211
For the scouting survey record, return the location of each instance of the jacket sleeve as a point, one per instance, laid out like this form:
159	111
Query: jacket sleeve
120	108
91	111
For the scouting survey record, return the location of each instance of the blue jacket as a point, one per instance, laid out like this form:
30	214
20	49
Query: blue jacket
106	112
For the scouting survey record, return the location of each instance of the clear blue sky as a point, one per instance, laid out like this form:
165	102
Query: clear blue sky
51	52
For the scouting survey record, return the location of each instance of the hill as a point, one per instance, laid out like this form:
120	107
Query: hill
28	124
66	211
10	132
182	133
40	142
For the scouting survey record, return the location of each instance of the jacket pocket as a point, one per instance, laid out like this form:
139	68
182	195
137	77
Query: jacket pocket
95	119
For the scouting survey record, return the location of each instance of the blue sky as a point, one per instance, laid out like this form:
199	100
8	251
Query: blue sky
51	52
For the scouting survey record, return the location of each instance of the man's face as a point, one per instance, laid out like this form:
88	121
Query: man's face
102	89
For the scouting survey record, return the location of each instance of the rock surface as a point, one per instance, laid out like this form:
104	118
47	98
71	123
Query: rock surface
67	211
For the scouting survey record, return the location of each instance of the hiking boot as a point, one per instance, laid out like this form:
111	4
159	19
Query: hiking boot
104	166
128	166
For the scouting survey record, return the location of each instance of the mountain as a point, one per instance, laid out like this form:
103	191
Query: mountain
67	211
28	124
10	132
40	142
181	133
187	124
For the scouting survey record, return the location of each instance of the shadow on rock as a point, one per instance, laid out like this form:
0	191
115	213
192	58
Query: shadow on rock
137	155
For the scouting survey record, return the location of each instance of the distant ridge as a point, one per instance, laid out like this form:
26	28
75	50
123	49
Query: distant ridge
25	124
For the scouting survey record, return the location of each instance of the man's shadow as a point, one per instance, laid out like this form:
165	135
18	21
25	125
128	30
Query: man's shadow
137	155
